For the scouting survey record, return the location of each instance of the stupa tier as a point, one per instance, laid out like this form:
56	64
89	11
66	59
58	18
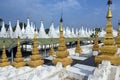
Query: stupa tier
109	49
18	60
36	59
62	53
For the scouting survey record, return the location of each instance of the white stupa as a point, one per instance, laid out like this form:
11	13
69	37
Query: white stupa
67	32
86	33
115	32
3	31
90	31
42	33
52	33
28	31
23	31
17	31
10	31
76	32
73	33
102	33
57	31
82	32
32	27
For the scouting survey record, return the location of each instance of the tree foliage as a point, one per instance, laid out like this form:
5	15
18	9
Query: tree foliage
47	30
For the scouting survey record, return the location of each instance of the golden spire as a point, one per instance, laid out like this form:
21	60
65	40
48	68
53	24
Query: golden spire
109	13
78	48
119	28
109	49
36	59
52	52
96	46
4	60
118	37
62	52
18	60
108	40
61	28
18	54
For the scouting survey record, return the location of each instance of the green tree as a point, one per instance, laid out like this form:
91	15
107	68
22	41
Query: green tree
98	29
21	24
47	30
6	26
1	20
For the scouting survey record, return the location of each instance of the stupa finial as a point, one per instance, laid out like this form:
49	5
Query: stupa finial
61	28
109	2
109	13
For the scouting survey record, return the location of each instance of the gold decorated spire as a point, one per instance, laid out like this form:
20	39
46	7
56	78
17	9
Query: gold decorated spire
62	53
18	54
4	60
61	28
96	46
109	39
109	49
36	59
52	52
78	48
109	13
119	28
118	37
4	51
18	60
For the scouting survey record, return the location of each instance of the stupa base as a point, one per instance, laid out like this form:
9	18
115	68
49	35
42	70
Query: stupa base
95	49
78	51
114	59
4	64
19	64
65	61
35	63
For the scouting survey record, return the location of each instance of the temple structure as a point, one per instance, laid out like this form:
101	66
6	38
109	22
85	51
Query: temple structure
3	31
4	60
28	31
23	30
62	53
118	37
18	60
78	48
10	30
52	52
96	46
42	33
36	59
52	32
109	49
17	31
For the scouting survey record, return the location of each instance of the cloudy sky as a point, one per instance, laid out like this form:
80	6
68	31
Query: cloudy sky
89	13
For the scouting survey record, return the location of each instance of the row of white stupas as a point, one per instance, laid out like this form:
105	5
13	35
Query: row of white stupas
53	32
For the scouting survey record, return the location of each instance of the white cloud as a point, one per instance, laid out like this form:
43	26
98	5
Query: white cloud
66	4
